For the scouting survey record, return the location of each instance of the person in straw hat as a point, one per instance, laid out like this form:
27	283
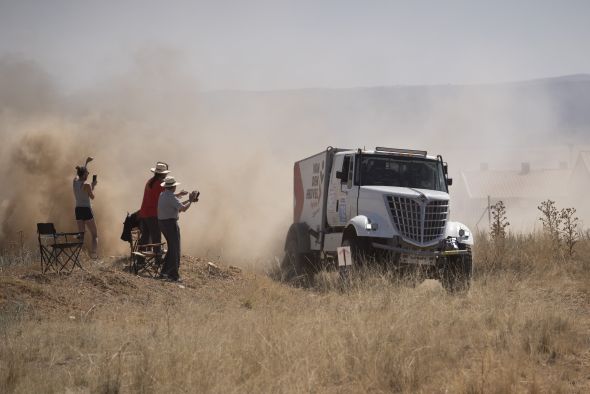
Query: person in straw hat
169	207
148	213
83	193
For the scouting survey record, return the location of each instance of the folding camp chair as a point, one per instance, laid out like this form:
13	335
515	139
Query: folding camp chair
135	237
148	258
59	251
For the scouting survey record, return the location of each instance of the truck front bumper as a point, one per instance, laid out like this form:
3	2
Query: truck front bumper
420	257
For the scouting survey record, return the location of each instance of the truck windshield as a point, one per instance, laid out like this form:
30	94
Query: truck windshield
402	172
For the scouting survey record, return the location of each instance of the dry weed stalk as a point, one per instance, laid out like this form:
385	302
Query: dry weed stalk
498	233
499	222
550	218
561	225
570	229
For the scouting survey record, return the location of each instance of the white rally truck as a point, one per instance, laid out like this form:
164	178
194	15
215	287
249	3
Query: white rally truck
390	206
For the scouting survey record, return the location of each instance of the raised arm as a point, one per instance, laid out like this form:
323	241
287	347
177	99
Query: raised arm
193	197
185	205
89	189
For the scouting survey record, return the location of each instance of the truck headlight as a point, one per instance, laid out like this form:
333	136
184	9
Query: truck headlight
461	232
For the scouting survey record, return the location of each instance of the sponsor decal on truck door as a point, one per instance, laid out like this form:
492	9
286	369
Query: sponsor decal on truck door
309	179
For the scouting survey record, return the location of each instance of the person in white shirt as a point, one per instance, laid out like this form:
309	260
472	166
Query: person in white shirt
83	194
169	207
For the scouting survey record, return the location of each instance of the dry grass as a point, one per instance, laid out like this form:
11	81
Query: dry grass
530	255
523	327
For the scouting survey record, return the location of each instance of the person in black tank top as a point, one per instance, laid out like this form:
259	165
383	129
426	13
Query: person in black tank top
83	194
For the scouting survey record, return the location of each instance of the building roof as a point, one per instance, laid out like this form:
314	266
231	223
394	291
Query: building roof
534	184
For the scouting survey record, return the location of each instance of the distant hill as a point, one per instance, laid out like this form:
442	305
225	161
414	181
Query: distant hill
563	78
521	113
558	106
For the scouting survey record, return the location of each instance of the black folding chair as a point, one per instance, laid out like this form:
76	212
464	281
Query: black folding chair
148	258
59	251
135	237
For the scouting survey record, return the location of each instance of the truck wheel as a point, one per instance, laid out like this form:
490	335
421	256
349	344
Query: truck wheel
296	267
456	273
358	249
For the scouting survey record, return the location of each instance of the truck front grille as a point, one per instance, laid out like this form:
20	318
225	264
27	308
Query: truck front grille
419	222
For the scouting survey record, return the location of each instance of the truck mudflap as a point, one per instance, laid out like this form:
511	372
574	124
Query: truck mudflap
427	257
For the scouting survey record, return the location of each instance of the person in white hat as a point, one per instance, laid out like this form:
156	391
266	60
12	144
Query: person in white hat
169	207
148	213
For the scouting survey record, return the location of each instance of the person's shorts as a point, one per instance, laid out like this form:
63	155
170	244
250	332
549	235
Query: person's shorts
84	213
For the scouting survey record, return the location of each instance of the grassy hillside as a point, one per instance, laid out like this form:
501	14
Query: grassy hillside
523	327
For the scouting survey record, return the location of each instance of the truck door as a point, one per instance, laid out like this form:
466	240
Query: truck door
340	205
350	190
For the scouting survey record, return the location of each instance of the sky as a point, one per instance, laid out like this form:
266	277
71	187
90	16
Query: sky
291	44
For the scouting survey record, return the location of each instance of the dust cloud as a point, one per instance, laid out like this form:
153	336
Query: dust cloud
153	113
236	147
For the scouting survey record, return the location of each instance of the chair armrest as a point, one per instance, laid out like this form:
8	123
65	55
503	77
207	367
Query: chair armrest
151	245
79	237
66	234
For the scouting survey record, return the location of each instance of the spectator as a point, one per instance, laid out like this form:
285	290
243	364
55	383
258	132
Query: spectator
169	207
148	213
83	193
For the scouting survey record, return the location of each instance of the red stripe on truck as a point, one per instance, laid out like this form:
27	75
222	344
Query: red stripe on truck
298	190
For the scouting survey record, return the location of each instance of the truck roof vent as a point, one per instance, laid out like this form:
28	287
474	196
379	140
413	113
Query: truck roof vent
409	152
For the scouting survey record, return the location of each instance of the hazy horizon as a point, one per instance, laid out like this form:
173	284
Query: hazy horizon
275	45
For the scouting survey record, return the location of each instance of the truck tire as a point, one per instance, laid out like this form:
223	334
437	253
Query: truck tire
359	248
297	267
455	275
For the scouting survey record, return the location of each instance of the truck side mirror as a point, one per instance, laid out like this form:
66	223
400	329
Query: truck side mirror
342	176
449	181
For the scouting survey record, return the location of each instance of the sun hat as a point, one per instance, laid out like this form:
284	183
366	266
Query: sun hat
169	182
161	168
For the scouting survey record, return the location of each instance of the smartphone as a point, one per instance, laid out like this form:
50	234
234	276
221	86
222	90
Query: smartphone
94	178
